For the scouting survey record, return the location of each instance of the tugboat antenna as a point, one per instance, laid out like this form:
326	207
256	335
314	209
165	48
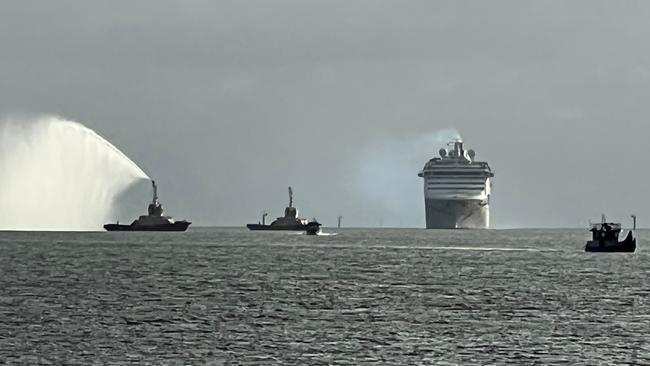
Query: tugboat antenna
290	197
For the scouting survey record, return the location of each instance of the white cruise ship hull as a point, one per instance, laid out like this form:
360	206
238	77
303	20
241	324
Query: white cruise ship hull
457	190
457	214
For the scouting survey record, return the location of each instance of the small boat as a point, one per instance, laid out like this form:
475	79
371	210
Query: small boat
154	221
289	222
313	228
605	238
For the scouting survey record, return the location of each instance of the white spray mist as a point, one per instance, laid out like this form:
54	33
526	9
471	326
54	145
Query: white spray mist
57	174
387	176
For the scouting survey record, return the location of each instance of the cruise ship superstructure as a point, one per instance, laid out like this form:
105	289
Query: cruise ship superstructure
457	189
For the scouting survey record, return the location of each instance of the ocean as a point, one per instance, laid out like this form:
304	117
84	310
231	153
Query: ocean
227	296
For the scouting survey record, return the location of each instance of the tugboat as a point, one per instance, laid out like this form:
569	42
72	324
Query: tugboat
605	238
289	222
154	221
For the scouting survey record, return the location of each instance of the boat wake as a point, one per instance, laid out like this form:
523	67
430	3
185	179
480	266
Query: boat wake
317	234
416	247
477	249
492	249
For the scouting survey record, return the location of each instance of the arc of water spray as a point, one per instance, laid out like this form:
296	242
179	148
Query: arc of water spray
56	174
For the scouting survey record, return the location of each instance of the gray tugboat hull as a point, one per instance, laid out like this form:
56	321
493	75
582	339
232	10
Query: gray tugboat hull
457	214
176	226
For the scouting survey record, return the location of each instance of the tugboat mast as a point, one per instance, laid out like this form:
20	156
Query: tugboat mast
290	197
155	208
155	192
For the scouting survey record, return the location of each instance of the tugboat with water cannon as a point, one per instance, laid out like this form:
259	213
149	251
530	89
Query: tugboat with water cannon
289	222
605	238
153	221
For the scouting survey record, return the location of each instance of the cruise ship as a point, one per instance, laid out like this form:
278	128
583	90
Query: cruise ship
457	189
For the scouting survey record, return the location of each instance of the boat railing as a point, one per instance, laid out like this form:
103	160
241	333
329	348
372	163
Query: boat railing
601	226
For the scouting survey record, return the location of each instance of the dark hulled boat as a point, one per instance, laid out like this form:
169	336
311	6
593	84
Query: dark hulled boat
289	222
176	226
605	238
153	221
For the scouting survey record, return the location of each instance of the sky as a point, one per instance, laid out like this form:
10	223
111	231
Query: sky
226	103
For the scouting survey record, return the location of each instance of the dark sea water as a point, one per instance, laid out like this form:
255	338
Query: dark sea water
384	296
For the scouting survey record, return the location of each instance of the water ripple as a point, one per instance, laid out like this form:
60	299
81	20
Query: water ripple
228	296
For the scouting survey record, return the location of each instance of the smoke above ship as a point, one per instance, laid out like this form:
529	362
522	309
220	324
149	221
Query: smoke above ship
383	178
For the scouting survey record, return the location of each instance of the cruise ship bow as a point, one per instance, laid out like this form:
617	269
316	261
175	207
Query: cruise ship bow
457	189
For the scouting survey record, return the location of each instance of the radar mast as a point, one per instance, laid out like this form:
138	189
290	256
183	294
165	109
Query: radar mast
290	197
155	208
155	192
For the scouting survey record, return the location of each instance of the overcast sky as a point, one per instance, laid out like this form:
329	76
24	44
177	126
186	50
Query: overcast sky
228	102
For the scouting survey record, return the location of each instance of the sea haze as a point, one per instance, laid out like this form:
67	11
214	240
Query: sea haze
382	296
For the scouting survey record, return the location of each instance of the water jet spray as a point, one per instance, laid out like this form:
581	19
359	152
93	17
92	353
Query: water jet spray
57	174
